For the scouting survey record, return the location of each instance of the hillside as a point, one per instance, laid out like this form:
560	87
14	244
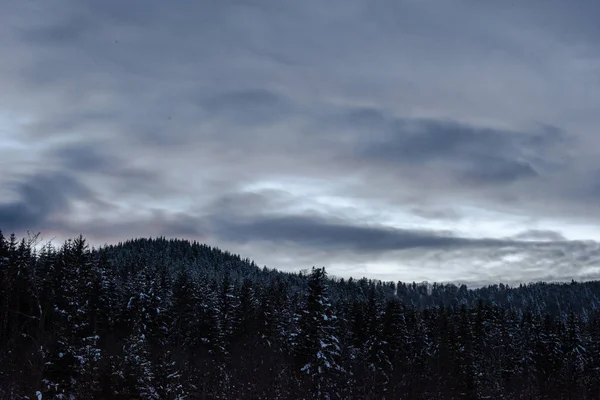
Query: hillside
172	319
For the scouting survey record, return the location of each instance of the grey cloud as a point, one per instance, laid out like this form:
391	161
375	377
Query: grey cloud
249	203
436	213
533	255
331	234
483	155
85	157
537	234
159	223
70	30
70	122
41	198
362	118
247	106
93	160
89	157
406	102
250	221
494	170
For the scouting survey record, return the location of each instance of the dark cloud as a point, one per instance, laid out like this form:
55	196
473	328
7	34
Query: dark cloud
323	233
480	155
248	203
89	157
73	122
250	106
362	118
93	161
496	170
436	213
540	234
158	223
84	156
530	256
71	30
40	199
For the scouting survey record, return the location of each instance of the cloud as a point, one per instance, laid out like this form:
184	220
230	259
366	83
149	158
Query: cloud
244	107
89	158
538	234
386	133
477	154
315	232
285	240
153	223
436	213
40	199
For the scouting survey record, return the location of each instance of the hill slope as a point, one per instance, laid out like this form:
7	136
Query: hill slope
172	319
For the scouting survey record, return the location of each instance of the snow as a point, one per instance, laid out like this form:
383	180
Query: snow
38	395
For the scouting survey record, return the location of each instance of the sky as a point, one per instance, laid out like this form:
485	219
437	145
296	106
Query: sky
413	140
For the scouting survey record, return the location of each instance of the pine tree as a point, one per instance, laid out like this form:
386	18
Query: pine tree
575	353
525	355
244	346
5	283
466	357
396	335
158	318
143	307
378	364
318	348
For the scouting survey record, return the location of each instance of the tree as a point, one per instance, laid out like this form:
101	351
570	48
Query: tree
318	348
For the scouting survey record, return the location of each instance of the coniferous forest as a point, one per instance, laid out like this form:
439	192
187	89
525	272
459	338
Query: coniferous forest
173	319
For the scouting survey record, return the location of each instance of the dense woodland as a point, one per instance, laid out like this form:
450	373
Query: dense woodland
172	319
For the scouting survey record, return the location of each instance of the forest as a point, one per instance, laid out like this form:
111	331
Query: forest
173	319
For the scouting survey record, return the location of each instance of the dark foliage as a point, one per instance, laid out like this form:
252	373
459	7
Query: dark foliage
170	319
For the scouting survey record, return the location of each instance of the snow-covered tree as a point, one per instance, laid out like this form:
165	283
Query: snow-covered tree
317	346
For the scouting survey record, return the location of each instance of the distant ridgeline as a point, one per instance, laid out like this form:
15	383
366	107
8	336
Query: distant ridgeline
173	319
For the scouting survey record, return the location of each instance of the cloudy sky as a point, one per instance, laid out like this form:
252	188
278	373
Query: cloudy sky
394	139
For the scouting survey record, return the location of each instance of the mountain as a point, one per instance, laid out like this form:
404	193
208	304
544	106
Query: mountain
172	319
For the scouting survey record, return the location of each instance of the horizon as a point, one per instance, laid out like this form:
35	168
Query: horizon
39	242
396	140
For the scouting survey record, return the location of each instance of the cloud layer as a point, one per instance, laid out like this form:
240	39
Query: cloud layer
396	139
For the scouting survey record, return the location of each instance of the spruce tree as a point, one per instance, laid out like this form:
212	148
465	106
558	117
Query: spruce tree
318	348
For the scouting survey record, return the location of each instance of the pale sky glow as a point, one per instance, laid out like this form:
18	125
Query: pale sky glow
394	139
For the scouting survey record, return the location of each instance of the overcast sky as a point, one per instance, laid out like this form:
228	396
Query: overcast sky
395	139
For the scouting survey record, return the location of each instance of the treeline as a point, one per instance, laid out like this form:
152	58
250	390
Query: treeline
172	319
